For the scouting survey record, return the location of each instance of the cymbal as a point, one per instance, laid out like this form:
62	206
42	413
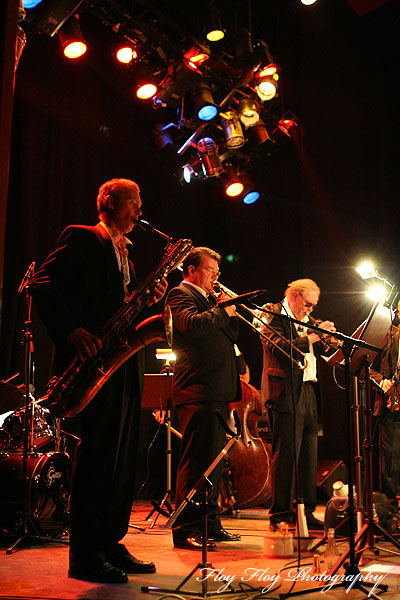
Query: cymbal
11	397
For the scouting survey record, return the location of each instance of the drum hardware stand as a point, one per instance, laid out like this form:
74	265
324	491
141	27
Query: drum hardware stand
204	485
29	369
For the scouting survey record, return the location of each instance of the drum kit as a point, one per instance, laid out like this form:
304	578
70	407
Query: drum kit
34	473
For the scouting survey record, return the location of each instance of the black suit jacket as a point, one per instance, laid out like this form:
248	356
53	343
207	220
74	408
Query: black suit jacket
79	285
276	387
384	366
204	337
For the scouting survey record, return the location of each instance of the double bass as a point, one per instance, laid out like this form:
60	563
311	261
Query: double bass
247	472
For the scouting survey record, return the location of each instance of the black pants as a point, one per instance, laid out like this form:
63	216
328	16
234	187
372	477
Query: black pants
203	439
289	457
102	485
390	422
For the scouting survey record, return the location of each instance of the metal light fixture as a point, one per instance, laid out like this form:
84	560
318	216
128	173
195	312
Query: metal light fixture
208	152
206	107
249	111
126	53
232	129
215	31
71	39
233	185
266	86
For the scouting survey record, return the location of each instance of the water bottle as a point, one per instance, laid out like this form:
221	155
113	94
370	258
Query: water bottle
332	552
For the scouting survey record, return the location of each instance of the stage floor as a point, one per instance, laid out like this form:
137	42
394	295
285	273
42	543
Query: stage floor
40	571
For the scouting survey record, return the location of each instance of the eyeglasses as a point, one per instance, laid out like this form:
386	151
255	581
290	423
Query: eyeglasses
212	271
309	305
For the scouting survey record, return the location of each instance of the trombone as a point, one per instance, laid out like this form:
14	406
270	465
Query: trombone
222	288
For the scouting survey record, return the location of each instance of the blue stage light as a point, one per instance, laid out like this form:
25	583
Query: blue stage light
251	197
31	3
208	112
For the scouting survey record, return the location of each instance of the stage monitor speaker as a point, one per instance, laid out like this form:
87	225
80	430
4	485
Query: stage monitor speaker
329	471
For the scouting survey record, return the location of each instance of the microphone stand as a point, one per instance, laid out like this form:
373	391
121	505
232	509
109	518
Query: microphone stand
352	573
28	417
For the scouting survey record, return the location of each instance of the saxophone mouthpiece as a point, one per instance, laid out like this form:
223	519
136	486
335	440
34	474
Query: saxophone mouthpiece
147	227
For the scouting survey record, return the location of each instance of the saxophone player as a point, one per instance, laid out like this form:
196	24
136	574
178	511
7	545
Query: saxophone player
78	289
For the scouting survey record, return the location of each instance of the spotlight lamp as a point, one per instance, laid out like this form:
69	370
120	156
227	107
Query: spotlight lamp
266	86
176	84
195	57
193	170
206	108
249	111
208	152
288	126
215	31
366	270
232	185
232	129
71	39
126	54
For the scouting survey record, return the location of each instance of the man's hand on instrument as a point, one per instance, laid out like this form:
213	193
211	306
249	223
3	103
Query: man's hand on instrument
329	326
86	344
159	415
159	291
386	385
231	310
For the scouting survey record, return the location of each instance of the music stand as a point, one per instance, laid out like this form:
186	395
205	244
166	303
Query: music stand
160	386
202	485
349	345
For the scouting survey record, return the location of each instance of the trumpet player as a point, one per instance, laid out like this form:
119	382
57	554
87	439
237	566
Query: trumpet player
205	378
290	389
385	374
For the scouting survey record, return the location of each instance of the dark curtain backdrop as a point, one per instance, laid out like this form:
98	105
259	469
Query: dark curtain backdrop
327	199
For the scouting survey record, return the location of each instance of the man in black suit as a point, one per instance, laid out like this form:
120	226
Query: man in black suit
290	392
78	289
205	379
385	373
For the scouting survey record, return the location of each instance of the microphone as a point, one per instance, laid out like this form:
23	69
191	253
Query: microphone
26	280
241	298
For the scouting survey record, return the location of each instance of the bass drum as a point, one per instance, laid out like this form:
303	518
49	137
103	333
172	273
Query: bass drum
47	493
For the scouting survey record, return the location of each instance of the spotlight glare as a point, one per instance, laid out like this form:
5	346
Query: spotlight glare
146	91
215	36
287	126
269	70
376	293
31	3
266	88
234	189
126	54
75	49
207	113
251	197
366	270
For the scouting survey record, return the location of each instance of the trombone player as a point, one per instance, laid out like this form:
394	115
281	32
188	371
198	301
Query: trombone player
290	389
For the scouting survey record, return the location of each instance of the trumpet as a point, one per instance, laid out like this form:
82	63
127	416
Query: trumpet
326	344
220	288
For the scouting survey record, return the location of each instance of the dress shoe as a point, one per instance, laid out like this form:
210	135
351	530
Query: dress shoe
276	520
100	572
221	535
194	542
313	523
120	557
